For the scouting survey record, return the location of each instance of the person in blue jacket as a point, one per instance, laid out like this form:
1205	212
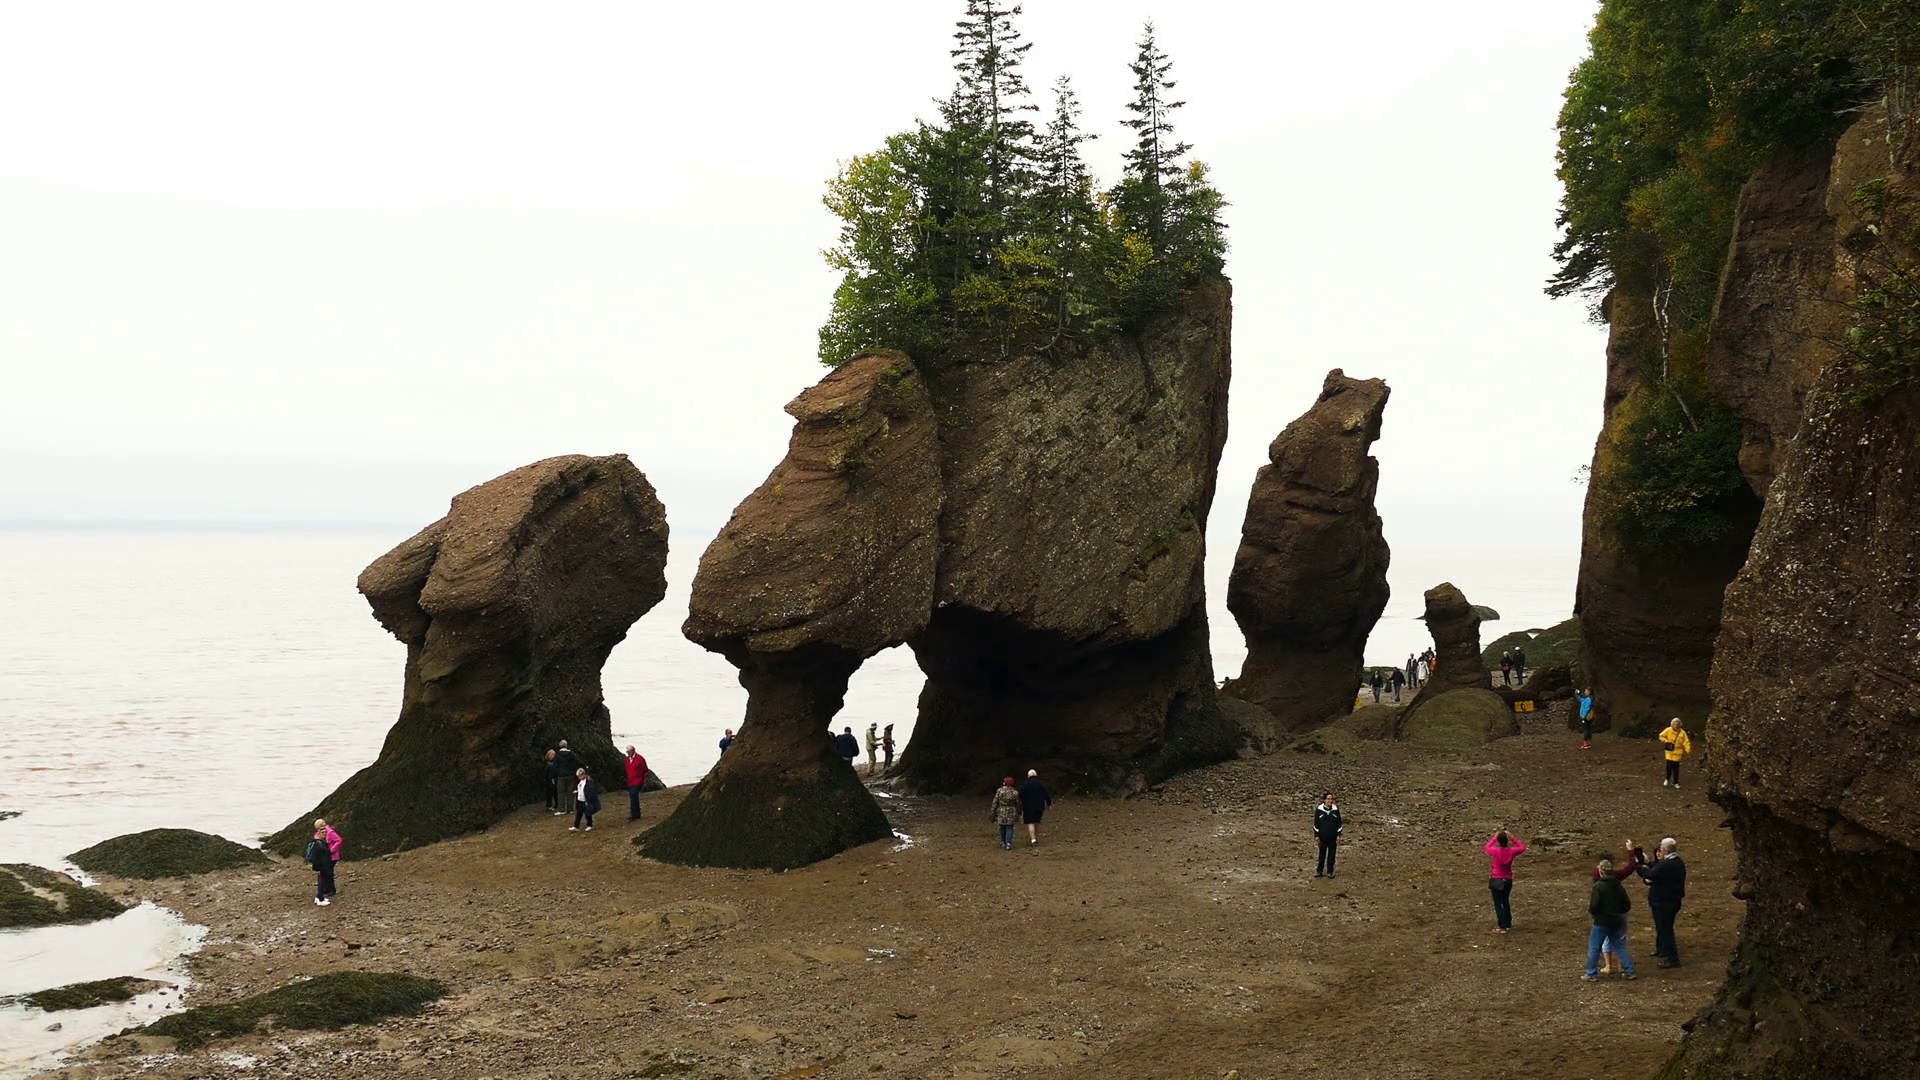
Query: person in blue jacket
1585	700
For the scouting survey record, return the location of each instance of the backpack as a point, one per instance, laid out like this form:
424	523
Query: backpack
319	856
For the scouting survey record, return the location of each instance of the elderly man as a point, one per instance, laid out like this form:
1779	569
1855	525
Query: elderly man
1666	878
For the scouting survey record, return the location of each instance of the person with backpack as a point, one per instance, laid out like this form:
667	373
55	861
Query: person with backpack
1585	700
1005	811
323	855
1666	879
1034	801
1327	827
1501	850
1608	904
636	779
566	766
1676	745
586	796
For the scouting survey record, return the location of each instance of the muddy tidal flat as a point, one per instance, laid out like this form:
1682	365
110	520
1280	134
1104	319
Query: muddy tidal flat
1180	934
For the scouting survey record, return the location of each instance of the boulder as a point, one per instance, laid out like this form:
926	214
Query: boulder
1310	577
1458	719
35	896
164	853
1814	733
1069	629
508	607
1557	644
829	561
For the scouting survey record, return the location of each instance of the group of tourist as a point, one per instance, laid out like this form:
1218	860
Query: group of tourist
1381	682
1012	805
571	786
848	747
1665	876
1420	667
1513	667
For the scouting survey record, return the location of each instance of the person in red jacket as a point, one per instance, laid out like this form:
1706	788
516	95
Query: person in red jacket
636	779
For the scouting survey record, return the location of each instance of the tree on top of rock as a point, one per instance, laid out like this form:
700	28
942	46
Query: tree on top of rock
992	97
1153	165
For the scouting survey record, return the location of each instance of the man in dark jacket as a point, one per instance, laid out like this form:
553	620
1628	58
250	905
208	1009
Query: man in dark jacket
1326	829
1608	904
846	745
1034	800
1520	666
1666	878
566	765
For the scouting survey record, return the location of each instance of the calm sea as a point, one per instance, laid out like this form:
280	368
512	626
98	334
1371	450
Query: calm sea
227	681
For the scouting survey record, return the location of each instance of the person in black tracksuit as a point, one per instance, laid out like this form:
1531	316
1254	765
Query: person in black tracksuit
1666	878
1326	828
566	769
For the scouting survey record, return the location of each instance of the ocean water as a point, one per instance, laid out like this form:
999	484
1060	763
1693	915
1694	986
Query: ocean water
227	681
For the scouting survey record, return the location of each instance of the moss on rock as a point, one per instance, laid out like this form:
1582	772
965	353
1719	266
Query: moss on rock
1557	644
1459	719
35	896
86	995
163	853
759	822
326	1002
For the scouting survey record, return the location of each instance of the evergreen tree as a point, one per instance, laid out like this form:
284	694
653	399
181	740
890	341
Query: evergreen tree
992	97
1153	165
1066	218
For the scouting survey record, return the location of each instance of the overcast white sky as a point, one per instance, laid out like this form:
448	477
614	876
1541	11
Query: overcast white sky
273	263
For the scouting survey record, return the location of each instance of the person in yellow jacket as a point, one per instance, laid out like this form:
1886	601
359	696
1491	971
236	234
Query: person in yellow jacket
1675	743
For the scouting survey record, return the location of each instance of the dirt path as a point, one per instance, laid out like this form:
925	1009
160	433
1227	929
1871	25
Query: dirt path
1177	935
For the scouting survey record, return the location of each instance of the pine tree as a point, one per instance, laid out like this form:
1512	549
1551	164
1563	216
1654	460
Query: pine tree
1065	217
1154	162
992	96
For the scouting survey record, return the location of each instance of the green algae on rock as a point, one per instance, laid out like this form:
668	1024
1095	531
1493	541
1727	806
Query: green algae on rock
325	1002
86	995
165	853
35	896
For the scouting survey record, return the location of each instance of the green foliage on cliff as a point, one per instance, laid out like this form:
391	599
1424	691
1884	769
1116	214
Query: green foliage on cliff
986	231
1883	344
1679	482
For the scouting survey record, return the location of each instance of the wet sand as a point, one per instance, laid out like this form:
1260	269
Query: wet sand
1181	934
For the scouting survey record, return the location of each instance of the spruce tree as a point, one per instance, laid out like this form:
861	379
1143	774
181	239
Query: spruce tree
1066	219
1153	165
992	96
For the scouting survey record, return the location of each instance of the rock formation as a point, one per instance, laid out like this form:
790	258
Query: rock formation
1457	706
828	562
1310	579
1069	629
1036	538
508	607
1814	730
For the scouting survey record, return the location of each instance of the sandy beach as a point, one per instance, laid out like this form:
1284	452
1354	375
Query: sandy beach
1181	934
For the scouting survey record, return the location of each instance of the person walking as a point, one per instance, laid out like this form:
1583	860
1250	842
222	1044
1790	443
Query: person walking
323	854
1506	669
726	740
1636	857
636	779
1666	879
1034	801
586	796
1424	673
566	767
1005	811
846	746
1584	699
1326	829
1502	849
1676	745
1520	666
1379	683
553	783
1413	671
1608	903
873	748
1398	680
886	745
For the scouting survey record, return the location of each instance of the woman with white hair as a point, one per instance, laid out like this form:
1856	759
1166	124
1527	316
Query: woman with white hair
1675	743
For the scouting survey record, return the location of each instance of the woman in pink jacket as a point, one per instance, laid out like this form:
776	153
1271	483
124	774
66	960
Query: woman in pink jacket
1501	851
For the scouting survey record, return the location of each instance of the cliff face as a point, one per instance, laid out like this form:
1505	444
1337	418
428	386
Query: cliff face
1069	631
1310	578
1815	728
1032	527
508	607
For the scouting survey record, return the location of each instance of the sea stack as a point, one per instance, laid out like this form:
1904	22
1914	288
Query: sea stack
1310	578
1457	706
829	561
508	607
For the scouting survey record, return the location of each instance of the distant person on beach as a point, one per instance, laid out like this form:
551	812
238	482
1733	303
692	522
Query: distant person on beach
846	746
1398	680
1379	683
1506	669
1326	829
1636	858
873	748
1666	879
1676	745
1413	670
1422	673
1034	800
1502	849
726	740
1584	699
566	766
553	783
1520	666
323	854
1005	811
886	743
586	794
1608	904
636	779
